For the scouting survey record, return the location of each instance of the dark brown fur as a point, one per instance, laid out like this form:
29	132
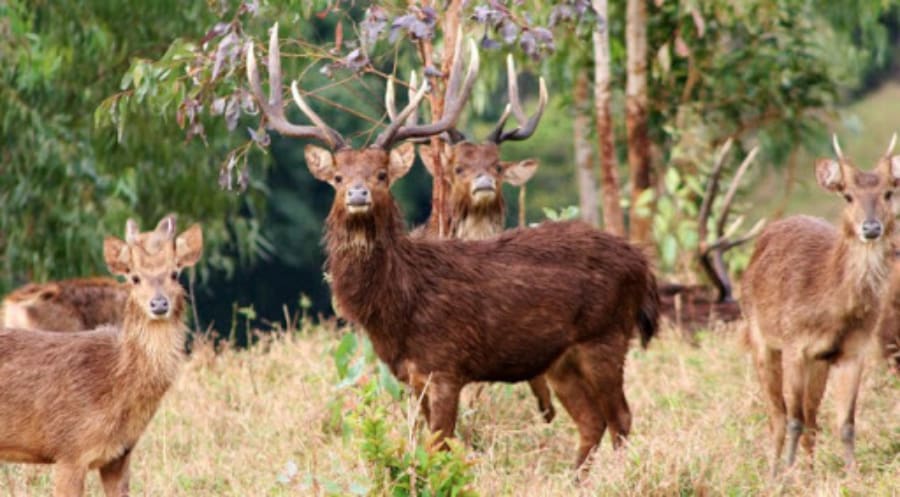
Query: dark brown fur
560	298
66	305
811	295
81	400
889	326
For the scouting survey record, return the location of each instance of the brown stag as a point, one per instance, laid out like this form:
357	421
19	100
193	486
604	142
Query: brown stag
82	400
474	174
560	298
811	296
889	327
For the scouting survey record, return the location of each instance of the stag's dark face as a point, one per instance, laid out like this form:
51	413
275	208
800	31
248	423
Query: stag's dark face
361	178
868	213
475	172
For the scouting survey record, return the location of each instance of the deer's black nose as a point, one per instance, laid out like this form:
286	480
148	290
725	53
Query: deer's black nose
483	183
159	305
871	229
357	196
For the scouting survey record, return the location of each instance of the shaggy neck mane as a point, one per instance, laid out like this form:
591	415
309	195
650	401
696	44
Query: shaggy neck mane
865	265
152	349
470	221
370	272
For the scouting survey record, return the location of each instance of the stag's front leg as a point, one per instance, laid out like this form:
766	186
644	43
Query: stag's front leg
795	366
443	403
68	480
541	391
847	374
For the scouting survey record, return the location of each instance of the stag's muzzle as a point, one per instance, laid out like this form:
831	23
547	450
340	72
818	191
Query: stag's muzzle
358	199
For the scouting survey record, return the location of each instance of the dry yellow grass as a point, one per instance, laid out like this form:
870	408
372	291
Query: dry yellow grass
232	426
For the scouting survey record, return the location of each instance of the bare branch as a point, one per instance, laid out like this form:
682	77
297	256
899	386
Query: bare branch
732	190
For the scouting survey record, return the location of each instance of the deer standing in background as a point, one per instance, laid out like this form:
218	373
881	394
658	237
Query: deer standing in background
811	296
889	327
561	297
474	174
82	400
67	305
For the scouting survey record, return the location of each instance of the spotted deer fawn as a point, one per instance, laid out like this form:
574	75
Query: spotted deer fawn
474	175
811	296
560	298
82	400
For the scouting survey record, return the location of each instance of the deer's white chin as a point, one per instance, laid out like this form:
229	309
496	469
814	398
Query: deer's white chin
359	209
483	196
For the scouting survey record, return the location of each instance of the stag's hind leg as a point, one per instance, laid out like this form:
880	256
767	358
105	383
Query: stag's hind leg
577	397
768	368
540	390
115	476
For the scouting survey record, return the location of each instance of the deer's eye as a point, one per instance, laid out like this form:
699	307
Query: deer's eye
888	194
135	279
458	170
382	175
848	198
175	275
338	178
498	169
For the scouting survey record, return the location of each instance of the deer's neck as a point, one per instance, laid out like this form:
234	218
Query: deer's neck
861	269
152	350
471	221
371	278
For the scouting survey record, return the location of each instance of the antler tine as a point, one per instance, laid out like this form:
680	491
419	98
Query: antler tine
389	96
497	132
453	103
273	108
837	146
891	146
527	125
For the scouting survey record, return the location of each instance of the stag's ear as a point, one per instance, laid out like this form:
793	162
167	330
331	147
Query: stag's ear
518	173
117	255
189	247
401	159
830	175
427	158
320	162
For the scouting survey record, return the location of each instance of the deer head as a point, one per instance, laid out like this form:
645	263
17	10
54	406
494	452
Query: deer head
154	273
361	177
474	172
868	214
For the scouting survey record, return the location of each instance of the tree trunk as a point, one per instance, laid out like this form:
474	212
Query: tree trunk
609	168
636	112
584	163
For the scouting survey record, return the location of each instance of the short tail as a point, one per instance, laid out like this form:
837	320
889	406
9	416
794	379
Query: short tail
648	315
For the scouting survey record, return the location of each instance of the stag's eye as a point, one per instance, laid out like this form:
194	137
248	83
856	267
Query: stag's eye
458	170
175	275
382	175
338	178
888	194
135	279
848	198
498	169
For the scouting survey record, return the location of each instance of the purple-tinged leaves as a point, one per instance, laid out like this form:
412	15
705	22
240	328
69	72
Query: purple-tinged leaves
262	139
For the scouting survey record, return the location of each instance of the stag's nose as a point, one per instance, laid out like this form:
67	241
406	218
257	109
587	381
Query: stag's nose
358	196
483	182
871	229
159	305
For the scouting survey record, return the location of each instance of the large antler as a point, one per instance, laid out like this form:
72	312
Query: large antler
273	108
711	255
527	125
454	98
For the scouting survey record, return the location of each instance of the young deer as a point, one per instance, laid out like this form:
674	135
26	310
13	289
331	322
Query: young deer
82	400
75	304
474	174
561	298
66	305
811	296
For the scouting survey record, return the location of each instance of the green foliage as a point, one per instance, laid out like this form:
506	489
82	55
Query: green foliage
563	214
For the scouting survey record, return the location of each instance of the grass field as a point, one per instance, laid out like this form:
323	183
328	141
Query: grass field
265	421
